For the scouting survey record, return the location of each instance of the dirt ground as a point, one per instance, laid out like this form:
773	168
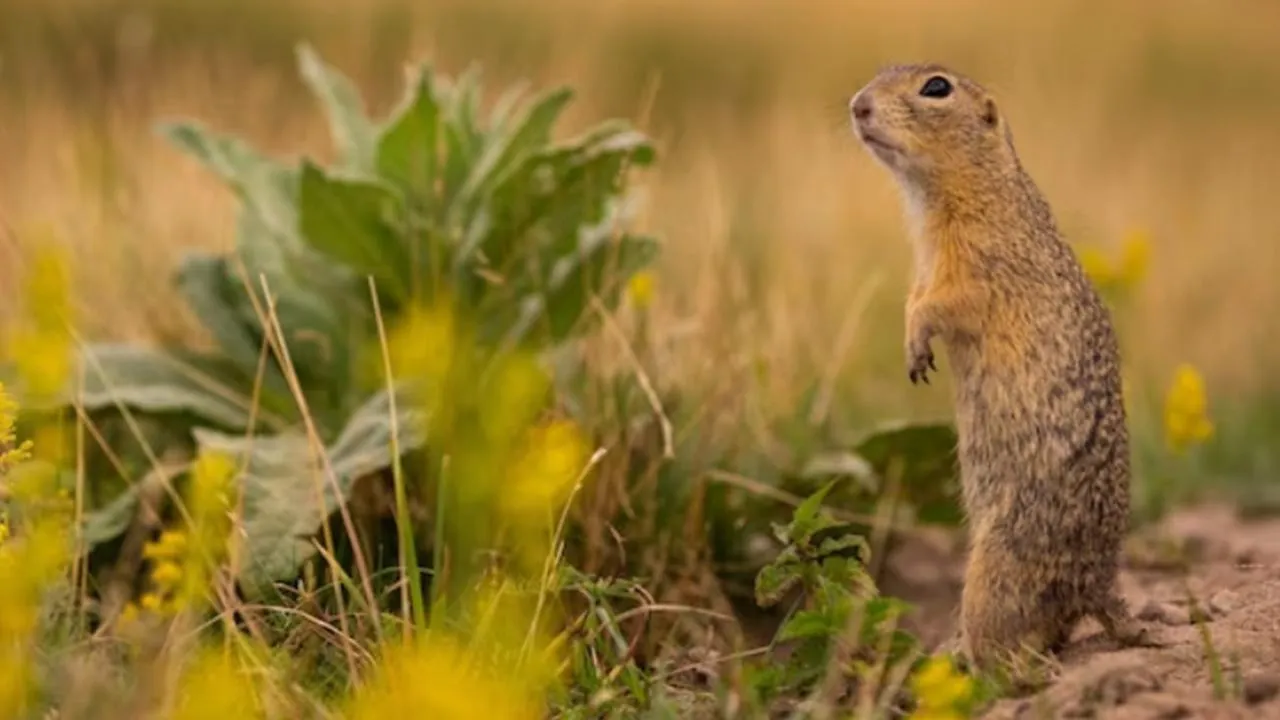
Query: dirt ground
1200	563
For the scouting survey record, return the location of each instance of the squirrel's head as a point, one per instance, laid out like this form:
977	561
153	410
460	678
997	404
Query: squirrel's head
925	123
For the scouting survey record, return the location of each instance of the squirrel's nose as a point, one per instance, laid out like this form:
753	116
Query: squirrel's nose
860	107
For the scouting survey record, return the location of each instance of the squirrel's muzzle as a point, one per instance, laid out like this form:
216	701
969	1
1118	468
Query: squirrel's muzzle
860	107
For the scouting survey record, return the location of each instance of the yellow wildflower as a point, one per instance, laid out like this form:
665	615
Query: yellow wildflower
422	344
511	401
941	690
210	503
438	679
1135	256
42	350
129	614
1186	420
166	575
1096	265
11	451
1124	272
15	682
640	289
216	687
170	544
544	474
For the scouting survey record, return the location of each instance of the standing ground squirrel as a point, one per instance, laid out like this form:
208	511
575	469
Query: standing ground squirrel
1043	443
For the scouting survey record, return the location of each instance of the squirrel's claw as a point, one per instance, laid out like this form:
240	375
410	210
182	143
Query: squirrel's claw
921	363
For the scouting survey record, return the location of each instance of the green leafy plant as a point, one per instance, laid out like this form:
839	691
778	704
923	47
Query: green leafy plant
825	561
435	202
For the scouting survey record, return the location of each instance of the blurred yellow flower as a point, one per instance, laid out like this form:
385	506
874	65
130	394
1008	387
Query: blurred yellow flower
941	690
545	473
438	679
182	563
1096	265
422	345
515	392
166	575
1186	419
171	544
41	349
1127	270
11	451
216	687
32	556
640	289
1135	256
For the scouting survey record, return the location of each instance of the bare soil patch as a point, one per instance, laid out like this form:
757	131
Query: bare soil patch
1203	564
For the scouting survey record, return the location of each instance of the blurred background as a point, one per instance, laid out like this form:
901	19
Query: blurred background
784	260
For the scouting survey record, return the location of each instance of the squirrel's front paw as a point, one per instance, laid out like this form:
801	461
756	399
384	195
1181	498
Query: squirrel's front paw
919	361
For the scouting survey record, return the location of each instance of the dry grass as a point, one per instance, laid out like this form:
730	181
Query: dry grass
1153	115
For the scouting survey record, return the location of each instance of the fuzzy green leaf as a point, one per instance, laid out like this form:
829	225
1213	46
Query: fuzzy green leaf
408	146
288	492
150	381
350	221
807	518
807	624
778	577
924	455
354	134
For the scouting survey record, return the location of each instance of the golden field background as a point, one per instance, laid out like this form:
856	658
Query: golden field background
784	259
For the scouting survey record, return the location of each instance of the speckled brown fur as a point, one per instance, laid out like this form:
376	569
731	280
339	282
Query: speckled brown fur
1043	443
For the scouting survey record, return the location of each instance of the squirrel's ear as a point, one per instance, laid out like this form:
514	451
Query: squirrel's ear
990	115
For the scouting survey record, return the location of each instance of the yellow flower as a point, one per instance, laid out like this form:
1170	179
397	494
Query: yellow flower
166	575
129	614
640	289
1135	256
15	682
1186	420
1126	271
941	690
438	679
422	345
42	350
216	687
170	544
544	474
11	451
1096	265
183	562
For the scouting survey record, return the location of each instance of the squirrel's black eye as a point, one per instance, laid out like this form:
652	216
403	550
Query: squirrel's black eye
936	87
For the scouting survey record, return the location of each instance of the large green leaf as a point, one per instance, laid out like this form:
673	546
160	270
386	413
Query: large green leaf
598	268
408	145
113	519
553	193
319	312
353	133
287	491
924	456
351	221
463	137
219	299
532	130
148	380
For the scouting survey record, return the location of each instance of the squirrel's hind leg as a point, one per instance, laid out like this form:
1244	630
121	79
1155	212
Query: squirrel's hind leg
1121	626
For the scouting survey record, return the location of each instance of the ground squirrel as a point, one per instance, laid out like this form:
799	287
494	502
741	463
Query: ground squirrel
1043	443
